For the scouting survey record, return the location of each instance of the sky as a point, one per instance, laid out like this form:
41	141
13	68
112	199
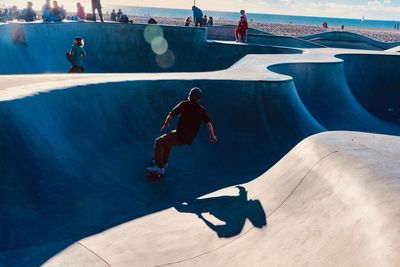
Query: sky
373	9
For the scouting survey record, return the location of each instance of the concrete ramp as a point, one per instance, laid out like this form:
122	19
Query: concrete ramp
343	39
276	190
118	48
333	200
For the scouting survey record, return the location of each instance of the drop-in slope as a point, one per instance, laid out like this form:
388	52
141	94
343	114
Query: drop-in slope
73	160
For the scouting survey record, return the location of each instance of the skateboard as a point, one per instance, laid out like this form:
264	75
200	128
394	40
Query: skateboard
153	175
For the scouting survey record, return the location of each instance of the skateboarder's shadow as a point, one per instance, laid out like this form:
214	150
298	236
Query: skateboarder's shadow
231	211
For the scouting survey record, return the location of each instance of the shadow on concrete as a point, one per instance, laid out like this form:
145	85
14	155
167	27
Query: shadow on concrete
232	211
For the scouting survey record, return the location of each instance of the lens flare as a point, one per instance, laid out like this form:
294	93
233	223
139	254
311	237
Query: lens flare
151	32
166	60
159	45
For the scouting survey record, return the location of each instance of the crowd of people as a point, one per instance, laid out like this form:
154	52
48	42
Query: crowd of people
27	14
199	19
203	21
52	11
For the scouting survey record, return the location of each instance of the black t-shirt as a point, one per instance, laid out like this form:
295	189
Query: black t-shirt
191	116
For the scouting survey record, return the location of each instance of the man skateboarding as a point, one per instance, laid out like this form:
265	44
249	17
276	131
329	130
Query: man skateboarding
191	114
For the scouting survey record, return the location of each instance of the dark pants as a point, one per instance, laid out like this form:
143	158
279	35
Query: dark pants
99	11
76	69
198	22
163	146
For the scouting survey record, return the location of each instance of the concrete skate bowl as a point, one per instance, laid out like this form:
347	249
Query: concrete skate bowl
73	160
118	48
339	39
374	81
324	90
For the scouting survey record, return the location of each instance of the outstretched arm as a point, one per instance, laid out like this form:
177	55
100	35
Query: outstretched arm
167	122
210	128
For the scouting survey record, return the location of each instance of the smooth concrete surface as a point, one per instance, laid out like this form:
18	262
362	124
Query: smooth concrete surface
74	148
374	80
118	48
343	39
285	41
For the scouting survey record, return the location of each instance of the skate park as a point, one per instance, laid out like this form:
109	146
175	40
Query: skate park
306	170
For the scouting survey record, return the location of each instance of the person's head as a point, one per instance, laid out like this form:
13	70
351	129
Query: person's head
113	10
30	4
210	18
119	10
14	8
242	12
195	94
78	5
78	41
47	2
205	16
55	4
242	18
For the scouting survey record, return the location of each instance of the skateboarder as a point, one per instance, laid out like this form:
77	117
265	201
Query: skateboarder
76	55
191	114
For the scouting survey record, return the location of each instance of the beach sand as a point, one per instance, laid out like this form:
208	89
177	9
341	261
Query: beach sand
288	29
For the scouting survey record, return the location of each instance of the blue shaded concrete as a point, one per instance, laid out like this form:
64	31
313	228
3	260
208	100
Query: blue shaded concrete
115	48
66	152
285	41
74	147
324	91
374	80
343	39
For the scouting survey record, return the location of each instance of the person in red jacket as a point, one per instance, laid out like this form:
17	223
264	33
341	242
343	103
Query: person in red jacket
80	11
241	29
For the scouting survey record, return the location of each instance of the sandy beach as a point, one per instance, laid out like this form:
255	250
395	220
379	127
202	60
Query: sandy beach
288	29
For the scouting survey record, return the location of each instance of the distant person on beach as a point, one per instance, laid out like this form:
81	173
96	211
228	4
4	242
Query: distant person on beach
97	5
123	18
119	14
28	14
80	11
14	13
191	114
243	13
152	21
188	21
210	22
76	55
113	15
4	15
56	12
241	30
46	11
197	16
63	12
325	24
205	20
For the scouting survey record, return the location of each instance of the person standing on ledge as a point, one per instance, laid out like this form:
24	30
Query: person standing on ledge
80	11
97	5
28	14
197	16
76	55
191	114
